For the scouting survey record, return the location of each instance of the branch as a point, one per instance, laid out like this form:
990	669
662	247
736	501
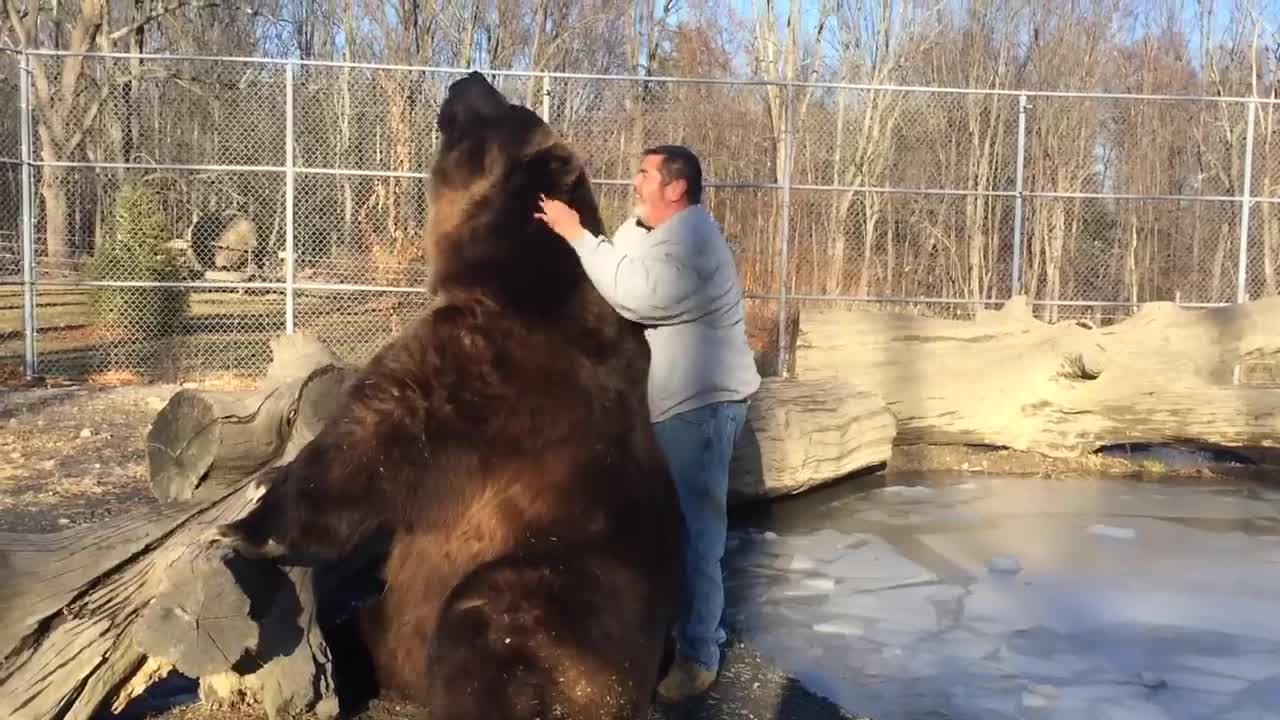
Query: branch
156	15
16	20
565	34
5	21
90	115
825	15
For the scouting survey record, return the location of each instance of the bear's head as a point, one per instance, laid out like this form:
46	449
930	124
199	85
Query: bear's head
493	160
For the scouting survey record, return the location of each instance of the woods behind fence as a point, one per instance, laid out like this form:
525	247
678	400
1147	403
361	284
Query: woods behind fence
182	210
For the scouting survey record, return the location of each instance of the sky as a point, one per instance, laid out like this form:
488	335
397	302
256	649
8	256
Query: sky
1220	15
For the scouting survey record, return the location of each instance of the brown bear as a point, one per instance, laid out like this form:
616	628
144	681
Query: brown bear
503	443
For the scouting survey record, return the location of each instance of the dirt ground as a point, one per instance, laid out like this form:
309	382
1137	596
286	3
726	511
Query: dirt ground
74	454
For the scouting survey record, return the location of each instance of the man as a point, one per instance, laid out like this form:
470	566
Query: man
669	268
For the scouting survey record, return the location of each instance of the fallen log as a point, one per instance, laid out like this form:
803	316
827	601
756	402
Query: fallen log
1165	375
91	617
202	440
805	433
799	433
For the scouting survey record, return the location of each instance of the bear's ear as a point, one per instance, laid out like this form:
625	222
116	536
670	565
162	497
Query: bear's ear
468	102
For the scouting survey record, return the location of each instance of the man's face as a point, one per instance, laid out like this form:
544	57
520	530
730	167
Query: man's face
654	201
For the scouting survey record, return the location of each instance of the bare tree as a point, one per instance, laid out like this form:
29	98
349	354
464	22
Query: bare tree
876	41
793	56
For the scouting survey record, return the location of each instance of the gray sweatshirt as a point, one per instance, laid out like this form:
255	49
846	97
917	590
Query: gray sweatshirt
679	280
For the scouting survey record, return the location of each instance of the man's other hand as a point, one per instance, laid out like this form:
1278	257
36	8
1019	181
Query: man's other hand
560	218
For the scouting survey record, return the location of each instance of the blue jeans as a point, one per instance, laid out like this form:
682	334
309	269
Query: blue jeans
698	445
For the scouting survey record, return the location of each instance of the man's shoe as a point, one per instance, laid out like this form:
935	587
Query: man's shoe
683	681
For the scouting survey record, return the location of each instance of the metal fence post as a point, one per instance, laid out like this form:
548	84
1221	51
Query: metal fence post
546	98
28	222
288	199
1015	271
1242	271
784	231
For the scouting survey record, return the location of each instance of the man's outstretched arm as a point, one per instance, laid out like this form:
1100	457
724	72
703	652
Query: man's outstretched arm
660	285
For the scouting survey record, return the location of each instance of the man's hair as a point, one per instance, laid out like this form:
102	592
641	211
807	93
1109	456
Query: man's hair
679	163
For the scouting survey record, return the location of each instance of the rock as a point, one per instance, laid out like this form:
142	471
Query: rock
86	433
802	433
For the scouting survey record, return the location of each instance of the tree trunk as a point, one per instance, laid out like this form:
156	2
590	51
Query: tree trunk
1217	292
344	131
53	194
839	208
1270	249
1131	261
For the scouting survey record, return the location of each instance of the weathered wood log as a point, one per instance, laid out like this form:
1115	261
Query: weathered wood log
804	433
91	617
1164	375
799	434
83	612
204	439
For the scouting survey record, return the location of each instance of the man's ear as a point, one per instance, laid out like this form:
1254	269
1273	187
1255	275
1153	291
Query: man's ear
675	190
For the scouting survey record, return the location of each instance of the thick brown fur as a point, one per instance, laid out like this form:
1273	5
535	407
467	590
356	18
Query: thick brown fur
503	440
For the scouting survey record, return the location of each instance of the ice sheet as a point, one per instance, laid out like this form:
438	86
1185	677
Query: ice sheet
1113	600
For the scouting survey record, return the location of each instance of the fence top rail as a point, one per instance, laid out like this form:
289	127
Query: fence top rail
757	82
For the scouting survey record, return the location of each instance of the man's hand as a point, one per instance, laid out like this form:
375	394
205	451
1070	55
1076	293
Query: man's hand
560	218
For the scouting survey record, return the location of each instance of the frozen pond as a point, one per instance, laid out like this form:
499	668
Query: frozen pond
995	597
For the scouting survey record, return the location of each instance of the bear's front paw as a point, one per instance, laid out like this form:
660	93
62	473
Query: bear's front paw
233	535
257	489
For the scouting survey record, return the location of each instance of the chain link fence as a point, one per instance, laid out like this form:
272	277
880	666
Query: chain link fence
183	210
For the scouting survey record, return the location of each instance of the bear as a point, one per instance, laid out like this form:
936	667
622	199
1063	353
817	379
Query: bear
501	446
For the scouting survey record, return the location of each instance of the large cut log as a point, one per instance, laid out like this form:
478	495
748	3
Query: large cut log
1168	374
804	433
202	440
800	433
91	617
